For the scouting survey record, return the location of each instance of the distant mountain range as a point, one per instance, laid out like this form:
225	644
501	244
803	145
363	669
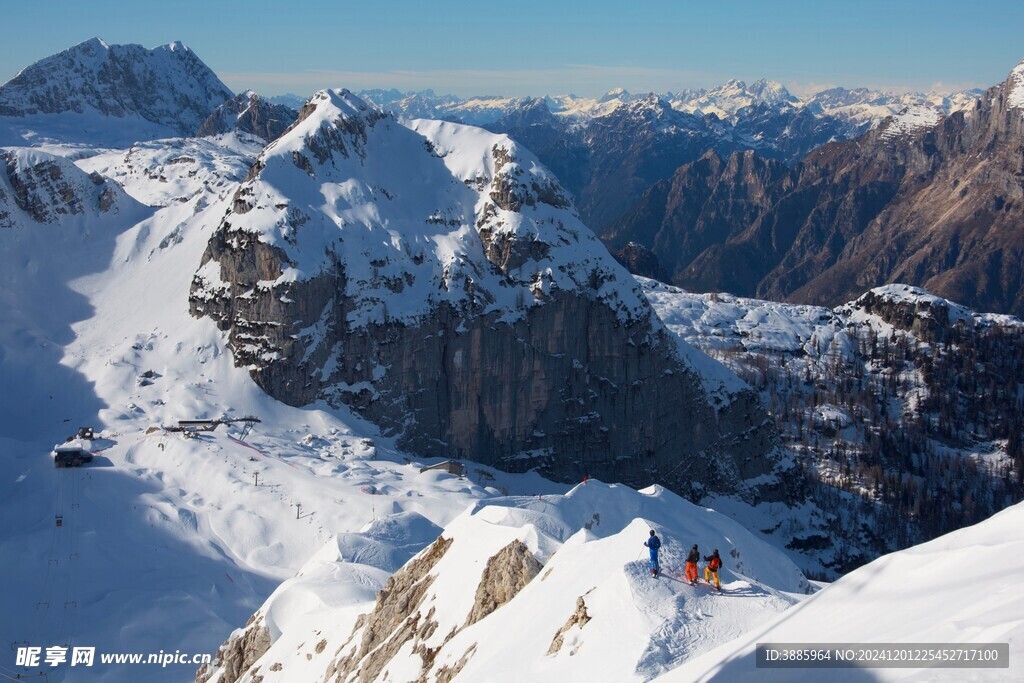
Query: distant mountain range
923	198
608	150
726	101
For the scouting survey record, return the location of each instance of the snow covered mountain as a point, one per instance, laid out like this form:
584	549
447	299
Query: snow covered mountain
109	94
726	100
167	542
546	588
860	107
339	279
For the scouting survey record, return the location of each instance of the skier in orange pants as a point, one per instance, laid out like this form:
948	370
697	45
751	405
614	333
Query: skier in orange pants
691	565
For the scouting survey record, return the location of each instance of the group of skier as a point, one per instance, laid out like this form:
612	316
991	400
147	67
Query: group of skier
714	562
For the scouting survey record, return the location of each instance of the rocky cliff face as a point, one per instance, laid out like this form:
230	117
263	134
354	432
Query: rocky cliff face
39	188
703	204
249	113
924	199
463	307
238	653
168	85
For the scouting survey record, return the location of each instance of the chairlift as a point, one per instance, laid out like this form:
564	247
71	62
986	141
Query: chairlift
60	520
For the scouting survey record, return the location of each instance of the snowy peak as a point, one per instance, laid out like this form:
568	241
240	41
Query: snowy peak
726	100
168	86
771	92
615	95
507	221
865	107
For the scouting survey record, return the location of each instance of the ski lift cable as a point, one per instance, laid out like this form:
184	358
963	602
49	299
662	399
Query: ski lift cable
18	678
45	593
70	590
76	548
70	528
41	611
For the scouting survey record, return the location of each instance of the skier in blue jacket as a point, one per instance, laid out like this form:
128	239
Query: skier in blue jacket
653	543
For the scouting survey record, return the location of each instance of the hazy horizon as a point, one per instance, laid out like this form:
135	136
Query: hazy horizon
540	48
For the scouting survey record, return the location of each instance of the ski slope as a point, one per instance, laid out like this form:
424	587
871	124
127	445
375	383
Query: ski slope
590	543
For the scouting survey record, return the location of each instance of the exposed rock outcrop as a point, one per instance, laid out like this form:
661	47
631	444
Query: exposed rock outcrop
394	621
249	113
238	653
36	187
504	576
578	619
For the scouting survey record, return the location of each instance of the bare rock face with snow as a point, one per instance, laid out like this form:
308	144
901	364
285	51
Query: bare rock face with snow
395	620
249	113
591	613
577	619
506	573
435	278
238	653
39	188
926	316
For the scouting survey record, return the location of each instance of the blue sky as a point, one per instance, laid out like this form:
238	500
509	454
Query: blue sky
534	47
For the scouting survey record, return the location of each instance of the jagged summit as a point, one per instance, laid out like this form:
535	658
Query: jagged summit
507	248
250	113
726	100
166	90
615	94
771	92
